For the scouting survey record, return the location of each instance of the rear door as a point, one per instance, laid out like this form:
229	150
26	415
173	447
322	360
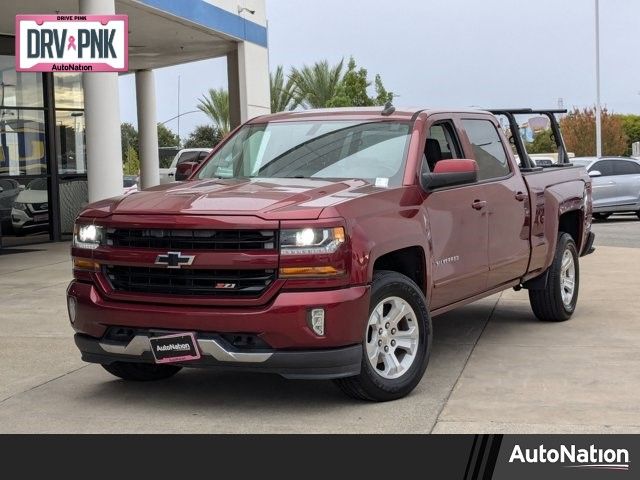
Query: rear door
507	199
458	224
605	191
627	178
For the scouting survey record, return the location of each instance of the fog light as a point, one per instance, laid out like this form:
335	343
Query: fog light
71	305
316	321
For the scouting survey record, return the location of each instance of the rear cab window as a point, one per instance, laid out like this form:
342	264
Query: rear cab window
488	150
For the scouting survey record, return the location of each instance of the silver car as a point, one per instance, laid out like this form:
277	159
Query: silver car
616	184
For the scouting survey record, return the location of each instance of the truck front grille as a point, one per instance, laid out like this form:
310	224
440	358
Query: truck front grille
189	282
238	240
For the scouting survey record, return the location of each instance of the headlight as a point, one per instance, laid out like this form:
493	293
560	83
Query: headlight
88	236
20	206
311	241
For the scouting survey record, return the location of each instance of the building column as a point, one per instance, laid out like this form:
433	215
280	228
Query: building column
147	129
233	81
102	116
249	91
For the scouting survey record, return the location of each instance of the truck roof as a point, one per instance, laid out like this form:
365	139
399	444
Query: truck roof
357	113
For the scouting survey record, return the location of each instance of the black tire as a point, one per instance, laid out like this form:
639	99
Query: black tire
638	214
369	385
141	372
547	304
601	216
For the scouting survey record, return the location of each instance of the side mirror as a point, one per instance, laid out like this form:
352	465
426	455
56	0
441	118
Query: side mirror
449	173
595	173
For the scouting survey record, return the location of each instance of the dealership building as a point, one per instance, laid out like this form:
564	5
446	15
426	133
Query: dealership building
60	144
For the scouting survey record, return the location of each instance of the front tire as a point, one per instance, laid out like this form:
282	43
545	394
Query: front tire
602	216
557	301
141	372
397	341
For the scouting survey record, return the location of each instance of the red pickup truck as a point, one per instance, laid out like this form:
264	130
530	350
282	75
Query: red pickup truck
319	244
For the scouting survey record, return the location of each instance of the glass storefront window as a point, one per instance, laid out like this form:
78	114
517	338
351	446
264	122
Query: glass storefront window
70	139
68	90
24	210
19	89
22	143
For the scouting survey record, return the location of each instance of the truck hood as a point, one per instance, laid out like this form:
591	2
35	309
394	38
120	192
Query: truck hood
281	198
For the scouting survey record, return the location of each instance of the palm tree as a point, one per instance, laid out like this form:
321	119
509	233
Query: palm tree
317	84
216	106
282	93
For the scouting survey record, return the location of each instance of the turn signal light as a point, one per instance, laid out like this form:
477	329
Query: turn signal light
326	271
85	264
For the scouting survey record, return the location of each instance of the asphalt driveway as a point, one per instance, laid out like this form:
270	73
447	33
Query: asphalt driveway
494	367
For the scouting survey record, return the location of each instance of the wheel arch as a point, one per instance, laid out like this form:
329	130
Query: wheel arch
410	261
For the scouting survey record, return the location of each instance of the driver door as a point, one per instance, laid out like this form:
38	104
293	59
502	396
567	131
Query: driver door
458	225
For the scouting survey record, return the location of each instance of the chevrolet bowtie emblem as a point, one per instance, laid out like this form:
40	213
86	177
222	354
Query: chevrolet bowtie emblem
174	260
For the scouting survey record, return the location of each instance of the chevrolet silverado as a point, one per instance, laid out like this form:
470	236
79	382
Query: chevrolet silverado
319	245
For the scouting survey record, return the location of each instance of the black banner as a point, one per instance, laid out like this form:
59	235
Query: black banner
466	457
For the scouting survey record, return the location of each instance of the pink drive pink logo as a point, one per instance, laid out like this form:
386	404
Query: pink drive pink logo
72	43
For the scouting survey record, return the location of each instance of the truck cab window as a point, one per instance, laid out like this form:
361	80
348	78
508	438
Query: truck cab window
488	150
441	145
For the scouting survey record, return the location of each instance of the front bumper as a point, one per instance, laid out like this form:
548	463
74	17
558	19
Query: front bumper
216	353
290	347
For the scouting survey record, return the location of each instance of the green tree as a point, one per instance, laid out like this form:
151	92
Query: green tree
166	137
542	143
631	127
283	96
354	86
132	164
129	136
352	90
382	95
316	85
204	136
215	104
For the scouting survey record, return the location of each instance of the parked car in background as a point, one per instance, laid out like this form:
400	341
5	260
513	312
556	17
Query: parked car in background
30	210
188	155
616	184
130	184
9	190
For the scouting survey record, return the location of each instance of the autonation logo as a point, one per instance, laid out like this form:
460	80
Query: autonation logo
573	457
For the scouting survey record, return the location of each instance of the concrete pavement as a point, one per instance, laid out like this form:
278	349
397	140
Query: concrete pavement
494	367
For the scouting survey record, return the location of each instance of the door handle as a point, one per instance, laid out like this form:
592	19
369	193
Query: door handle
521	196
479	204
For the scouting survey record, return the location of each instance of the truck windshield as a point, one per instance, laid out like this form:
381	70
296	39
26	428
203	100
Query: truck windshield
314	149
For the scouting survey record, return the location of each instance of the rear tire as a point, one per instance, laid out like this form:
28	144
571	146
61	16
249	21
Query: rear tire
141	372
557	301
394	361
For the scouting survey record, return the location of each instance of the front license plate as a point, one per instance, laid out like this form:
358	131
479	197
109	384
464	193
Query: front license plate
41	218
181	347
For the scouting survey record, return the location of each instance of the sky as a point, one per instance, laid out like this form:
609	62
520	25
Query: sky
440	53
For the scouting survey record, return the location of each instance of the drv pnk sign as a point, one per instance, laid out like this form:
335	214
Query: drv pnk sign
72	43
